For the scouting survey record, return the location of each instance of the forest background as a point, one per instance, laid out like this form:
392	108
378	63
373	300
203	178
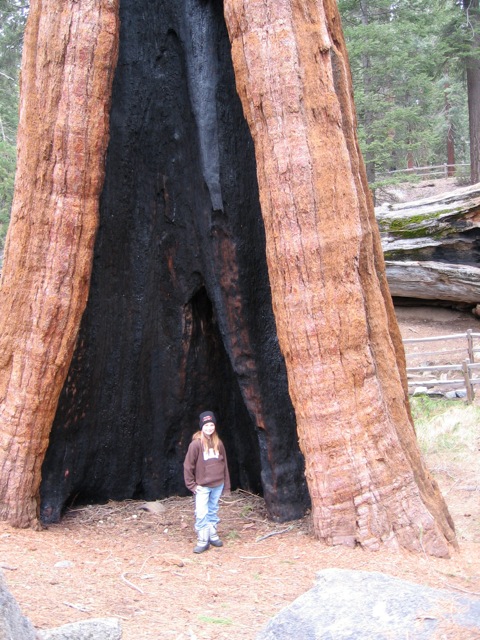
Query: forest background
409	62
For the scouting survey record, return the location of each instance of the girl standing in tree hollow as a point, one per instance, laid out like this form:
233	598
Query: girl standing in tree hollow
206	475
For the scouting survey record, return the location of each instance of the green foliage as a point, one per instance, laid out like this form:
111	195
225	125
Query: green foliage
212	620
12	22
7	175
247	509
233	535
408	88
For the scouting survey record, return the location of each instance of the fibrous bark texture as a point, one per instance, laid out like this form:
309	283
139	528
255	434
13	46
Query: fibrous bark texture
334	316
179	317
68	63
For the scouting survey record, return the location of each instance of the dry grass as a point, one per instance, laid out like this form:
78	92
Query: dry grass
447	426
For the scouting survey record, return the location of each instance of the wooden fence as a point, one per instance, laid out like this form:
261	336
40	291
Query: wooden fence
460	373
431	172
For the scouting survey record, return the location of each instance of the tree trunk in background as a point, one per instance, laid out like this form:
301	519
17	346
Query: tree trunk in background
335	320
369	116
68	64
450	134
473	88
473	84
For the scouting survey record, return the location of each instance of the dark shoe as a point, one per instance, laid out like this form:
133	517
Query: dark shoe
213	536
201	547
216	543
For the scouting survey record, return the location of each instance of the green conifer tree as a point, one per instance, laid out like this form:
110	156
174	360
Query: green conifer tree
12	21
410	101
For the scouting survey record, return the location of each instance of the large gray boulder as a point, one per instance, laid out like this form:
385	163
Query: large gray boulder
361	605
93	629
13	624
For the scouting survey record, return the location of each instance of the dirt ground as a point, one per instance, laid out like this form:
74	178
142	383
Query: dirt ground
126	561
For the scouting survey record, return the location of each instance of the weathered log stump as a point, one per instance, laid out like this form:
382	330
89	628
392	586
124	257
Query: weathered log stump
432	246
179	315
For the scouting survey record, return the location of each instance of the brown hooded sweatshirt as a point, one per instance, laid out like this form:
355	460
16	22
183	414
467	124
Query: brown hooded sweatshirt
210	472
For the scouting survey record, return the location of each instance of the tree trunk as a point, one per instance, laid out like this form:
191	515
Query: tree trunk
438	281
179	315
334	316
68	63
450	134
473	88
369	117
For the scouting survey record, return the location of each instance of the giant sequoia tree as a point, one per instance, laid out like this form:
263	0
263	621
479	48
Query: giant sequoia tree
334	316
180	311
63	131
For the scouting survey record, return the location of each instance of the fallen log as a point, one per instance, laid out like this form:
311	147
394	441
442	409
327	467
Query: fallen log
432	246
433	281
443	228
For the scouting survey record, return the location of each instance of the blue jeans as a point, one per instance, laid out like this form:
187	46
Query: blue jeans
206	506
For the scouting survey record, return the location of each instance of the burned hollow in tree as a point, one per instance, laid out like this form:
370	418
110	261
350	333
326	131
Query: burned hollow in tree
179	315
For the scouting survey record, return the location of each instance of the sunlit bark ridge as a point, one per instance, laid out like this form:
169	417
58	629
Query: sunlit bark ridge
334	315
69	59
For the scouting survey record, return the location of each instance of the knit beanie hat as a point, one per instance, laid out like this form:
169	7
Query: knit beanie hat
207	416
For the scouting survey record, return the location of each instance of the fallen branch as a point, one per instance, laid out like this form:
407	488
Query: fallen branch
249	493
471	593
130	584
76	606
274	533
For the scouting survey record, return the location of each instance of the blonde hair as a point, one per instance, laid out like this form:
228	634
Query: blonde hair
208	443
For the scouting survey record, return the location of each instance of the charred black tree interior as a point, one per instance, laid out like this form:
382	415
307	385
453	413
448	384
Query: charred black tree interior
179	317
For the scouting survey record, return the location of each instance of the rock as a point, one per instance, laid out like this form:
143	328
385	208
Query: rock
418	391
63	564
156	507
361	605
456	393
94	629
13	625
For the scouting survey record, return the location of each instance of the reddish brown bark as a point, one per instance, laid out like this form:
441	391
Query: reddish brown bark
67	71
335	320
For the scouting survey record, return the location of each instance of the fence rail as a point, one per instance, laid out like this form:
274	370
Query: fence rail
466	367
439	170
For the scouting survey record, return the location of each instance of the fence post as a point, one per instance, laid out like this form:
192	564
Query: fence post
468	384
471	354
